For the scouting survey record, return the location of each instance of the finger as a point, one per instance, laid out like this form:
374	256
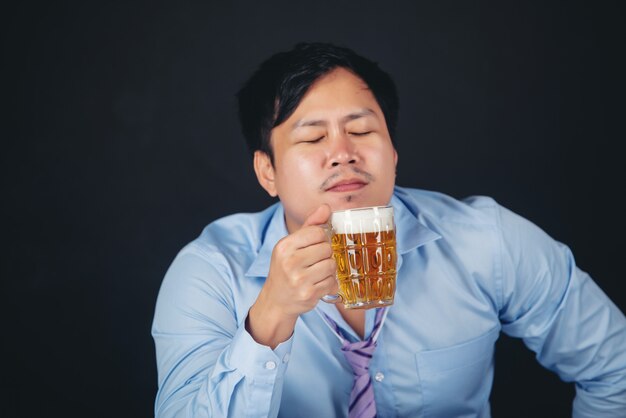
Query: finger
327	286
322	270
319	217
310	276
308	236
313	254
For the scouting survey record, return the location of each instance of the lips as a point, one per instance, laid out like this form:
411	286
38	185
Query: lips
346	185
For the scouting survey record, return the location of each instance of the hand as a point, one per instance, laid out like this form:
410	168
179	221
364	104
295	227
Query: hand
302	270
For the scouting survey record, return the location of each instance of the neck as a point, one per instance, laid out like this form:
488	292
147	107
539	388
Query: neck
355	318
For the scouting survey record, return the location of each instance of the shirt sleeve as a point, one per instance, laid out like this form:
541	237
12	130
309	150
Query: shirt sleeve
563	316
208	364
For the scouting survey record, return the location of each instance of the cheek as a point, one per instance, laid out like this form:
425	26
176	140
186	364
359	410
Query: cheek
383	157
299	169
384	162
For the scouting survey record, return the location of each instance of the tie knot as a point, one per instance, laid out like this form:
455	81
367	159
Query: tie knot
359	355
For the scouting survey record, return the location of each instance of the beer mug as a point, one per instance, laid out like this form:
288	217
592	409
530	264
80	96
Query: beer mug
364	247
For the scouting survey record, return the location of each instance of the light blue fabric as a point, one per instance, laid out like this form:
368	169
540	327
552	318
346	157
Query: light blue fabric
466	271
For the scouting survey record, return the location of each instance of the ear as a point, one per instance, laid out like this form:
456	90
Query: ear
265	172
395	158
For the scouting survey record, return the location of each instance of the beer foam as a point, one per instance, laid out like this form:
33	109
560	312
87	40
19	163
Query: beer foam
363	220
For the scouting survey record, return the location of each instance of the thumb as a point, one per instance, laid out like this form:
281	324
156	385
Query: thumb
319	217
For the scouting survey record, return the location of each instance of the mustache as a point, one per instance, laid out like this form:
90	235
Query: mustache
361	173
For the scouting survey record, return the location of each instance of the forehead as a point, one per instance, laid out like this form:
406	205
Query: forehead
339	89
339	74
338	78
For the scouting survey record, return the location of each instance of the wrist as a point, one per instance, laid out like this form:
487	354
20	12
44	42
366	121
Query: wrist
268	325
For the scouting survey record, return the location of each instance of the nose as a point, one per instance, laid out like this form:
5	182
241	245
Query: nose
343	151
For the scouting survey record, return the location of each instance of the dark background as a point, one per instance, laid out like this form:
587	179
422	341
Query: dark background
120	142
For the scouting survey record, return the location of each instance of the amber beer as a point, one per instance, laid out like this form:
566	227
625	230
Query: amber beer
364	246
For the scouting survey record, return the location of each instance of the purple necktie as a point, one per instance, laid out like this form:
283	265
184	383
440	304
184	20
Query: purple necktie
359	354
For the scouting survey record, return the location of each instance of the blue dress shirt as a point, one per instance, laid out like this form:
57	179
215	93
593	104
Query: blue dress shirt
467	270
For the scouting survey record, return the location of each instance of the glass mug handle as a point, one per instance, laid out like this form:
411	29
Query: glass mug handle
336	298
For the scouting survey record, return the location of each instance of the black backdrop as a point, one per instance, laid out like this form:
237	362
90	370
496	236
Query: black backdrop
120	142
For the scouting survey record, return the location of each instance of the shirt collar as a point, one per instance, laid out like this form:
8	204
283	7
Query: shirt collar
276	230
411	233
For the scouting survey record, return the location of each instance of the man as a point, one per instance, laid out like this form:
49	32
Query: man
239	327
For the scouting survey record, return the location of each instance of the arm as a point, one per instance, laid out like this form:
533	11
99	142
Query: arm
212	363
564	317
208	364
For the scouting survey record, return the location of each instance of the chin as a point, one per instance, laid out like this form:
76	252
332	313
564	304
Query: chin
350	201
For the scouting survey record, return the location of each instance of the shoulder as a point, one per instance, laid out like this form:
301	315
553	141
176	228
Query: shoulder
222	252
234	233
442	208
444	212
225	247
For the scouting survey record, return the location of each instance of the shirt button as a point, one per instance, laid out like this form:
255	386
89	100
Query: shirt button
379	377
270	365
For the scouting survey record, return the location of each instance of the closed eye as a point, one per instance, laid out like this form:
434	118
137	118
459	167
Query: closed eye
313	141
360	133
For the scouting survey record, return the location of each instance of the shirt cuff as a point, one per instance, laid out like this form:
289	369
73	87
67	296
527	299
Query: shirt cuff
256	361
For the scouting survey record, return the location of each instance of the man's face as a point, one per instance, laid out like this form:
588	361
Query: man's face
334	149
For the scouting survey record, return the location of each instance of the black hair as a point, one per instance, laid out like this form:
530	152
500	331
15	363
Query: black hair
276	88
